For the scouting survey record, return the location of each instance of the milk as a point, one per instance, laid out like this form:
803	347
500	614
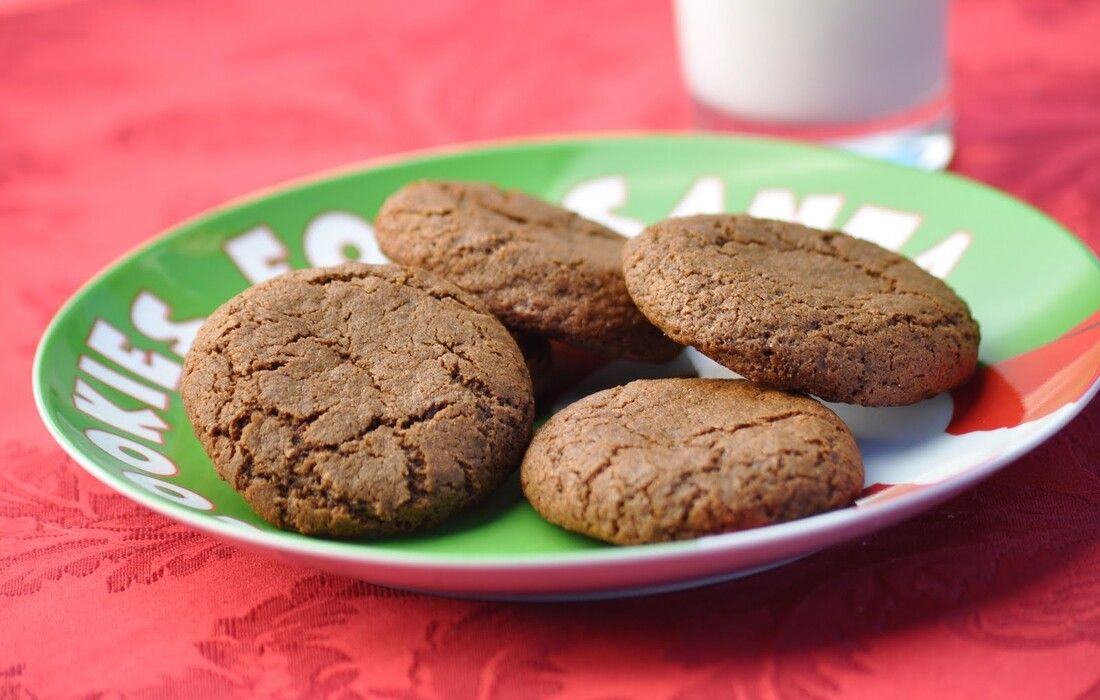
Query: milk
813	62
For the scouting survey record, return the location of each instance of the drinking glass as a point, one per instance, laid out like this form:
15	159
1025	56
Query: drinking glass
867	75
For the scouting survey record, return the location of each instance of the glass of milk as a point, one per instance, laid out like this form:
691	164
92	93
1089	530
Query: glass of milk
868	75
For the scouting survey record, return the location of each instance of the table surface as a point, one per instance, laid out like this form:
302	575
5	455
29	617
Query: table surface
119	118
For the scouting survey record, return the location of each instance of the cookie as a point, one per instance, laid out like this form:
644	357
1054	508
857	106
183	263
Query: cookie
803	309
539	268
672	459
539	357
358	400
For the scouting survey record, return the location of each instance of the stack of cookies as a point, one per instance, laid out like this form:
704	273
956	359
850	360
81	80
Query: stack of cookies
364	400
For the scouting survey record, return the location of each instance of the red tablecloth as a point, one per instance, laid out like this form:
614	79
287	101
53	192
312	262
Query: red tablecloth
119	118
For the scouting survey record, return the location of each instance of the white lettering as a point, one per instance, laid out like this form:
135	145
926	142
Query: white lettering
173	492
706	196
338	237
151	316
258	254
941	259
115	380
888	228
141	423
598	198
133	453
816	210
147	364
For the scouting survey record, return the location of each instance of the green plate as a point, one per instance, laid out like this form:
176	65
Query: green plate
106	370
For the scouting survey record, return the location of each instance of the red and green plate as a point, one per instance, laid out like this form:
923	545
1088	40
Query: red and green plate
106	370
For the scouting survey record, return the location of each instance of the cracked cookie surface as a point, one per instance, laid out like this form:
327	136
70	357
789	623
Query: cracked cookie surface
358	399
536	266
803	309
669	459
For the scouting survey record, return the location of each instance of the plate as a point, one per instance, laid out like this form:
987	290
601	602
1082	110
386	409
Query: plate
106	371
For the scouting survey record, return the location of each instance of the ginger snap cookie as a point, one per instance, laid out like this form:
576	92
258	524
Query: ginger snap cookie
670	459
537	267
798	308
358	399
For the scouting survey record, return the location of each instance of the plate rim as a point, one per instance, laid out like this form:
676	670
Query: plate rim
825	524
